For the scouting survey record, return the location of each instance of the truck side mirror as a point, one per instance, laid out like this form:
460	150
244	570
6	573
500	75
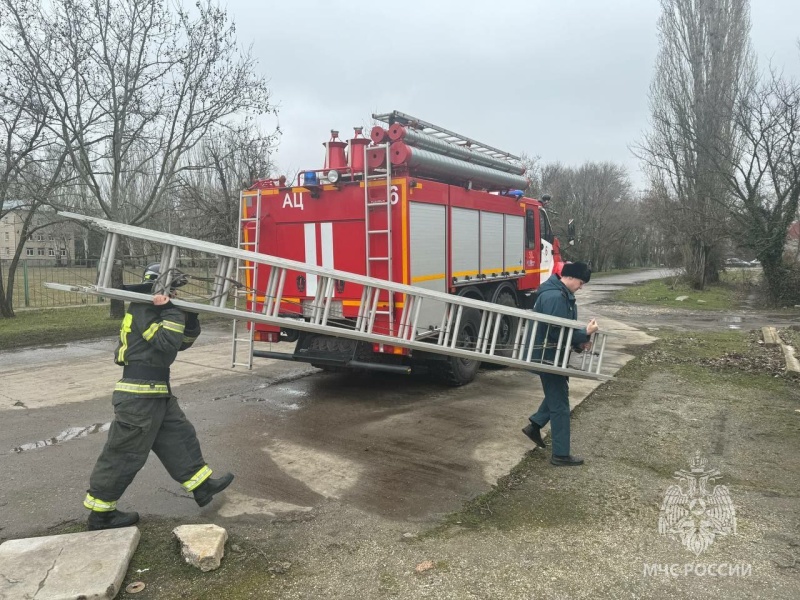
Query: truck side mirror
571	232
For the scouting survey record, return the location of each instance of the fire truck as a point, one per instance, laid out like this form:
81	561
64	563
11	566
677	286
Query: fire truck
412	203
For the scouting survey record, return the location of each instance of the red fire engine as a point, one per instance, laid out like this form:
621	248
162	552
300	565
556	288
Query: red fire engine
415	204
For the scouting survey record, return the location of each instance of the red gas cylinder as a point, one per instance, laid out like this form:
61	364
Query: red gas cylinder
334	152
397	132
379	135
356	151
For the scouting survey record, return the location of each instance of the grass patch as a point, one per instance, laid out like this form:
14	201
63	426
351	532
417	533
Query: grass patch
56	326
50	326
726	295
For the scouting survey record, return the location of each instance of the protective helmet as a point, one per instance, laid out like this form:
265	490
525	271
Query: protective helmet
176	278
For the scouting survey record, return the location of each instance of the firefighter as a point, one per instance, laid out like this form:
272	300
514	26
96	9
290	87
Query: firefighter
556	297
146	414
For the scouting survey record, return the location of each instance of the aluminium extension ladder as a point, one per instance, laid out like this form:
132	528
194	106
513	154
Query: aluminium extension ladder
320	318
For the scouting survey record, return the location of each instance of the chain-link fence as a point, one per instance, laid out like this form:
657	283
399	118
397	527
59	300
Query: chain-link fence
30	276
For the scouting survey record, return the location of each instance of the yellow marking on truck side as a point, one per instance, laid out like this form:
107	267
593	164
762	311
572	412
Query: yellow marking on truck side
432	277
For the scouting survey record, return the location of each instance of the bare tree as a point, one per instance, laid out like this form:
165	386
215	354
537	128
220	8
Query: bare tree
765	178
704	60
209	198
133	86
31	160
599	199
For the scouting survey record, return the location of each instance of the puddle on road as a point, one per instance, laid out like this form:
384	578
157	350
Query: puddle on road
73	433
733	322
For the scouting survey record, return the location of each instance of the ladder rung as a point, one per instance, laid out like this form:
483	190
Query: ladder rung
376	204
378	258
379	231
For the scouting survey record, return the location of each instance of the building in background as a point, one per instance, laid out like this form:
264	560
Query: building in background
51	245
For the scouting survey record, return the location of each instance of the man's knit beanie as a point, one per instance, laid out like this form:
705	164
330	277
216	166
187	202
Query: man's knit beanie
578	270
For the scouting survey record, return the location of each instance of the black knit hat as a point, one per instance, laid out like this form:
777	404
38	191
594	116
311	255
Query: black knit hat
578	270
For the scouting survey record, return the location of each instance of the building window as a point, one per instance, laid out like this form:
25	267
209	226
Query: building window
29	251
39	237
40	251
51	252
8	250
63	252
6	236
50	237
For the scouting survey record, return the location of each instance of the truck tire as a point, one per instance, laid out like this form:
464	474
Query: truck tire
508	325
456	371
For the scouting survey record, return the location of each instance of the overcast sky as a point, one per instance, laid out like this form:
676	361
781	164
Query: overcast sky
566	80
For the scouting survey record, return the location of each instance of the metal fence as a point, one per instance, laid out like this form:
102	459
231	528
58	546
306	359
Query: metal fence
29	291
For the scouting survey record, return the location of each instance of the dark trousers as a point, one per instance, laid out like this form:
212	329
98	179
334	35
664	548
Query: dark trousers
142	424
555	410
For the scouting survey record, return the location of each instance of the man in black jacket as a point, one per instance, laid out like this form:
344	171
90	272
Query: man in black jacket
146	414
556	297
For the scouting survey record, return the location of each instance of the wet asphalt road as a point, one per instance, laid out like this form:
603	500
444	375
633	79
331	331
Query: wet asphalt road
296	437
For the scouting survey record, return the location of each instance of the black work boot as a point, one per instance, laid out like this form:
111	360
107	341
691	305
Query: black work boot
206	490
533	431
566	461
111	519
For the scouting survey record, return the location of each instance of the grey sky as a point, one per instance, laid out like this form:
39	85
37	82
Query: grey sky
563	79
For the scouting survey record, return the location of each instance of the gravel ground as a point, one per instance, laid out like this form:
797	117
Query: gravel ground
546	532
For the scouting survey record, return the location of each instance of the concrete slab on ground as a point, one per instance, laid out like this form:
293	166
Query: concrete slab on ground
87	565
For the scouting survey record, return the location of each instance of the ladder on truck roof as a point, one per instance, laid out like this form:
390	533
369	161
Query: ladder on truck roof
320	318
445	134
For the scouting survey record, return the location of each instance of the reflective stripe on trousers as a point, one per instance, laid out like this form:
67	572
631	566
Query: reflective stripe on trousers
98	505
197	479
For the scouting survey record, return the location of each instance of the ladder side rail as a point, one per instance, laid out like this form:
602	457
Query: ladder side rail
389	254
366	212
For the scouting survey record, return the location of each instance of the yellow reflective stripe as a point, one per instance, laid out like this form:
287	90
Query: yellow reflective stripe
124	330
151	331
188	340
198	478
98	505
173	326
142	388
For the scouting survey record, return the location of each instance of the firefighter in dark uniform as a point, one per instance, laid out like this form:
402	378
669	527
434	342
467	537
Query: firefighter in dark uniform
556	297
146	414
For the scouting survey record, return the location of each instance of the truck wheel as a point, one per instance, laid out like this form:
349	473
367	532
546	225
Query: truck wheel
458	371
508	325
